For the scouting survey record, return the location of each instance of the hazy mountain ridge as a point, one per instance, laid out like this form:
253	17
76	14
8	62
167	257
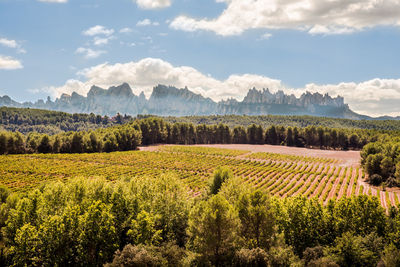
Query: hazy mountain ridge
171	101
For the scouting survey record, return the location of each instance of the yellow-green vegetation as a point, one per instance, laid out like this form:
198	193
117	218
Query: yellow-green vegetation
198	150
275	156
280	175
136	208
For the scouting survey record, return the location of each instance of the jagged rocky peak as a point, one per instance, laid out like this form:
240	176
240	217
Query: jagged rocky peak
96	91
318	99
229	101
169	100
142	96
305	100
123	90
64	97
76	96
162	91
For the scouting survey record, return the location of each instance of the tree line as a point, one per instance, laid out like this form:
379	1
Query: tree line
288	120
154	221
153	130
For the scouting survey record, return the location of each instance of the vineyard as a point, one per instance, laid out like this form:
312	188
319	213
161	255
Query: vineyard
280	174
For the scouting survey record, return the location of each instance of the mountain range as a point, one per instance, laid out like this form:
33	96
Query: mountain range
171	101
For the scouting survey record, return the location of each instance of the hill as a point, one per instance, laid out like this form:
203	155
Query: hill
26	120
286	120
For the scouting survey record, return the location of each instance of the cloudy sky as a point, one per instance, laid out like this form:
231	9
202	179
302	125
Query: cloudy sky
219	48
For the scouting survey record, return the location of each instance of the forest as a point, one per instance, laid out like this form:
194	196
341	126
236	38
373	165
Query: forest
26	120
288	120
154	130
134	222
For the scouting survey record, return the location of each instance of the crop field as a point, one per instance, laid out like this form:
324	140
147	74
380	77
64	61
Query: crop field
282	175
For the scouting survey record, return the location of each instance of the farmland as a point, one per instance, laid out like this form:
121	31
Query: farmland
313	173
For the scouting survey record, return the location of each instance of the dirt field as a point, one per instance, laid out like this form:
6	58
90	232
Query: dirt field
347	158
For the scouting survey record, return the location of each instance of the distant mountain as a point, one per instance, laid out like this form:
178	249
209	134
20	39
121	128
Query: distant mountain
171	101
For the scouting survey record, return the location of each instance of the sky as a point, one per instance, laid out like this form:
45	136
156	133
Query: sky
219	48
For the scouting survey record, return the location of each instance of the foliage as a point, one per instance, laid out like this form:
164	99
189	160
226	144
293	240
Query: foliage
27	120
350	250
152	130
220	176
381	161
213	228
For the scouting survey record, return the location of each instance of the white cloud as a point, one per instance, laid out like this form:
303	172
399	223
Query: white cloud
54	1
153	4
12	44
374	97
98	30
99	41
147	22
126	30
265	36
8	43
314	16
89	53
9	63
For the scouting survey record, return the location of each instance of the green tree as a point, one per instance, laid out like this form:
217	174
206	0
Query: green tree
97	240
221	174
239	135
44	146
212	229
350	250
271	136
302	222
391	256
26	247
3	143
289	137
76	143
143	230
257	220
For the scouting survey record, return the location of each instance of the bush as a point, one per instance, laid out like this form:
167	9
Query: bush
137	256
251	257
375	179
392	182
4	193
312	254
221	174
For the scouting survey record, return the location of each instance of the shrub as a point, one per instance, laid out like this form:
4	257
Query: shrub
137	256
375	179
392	182
251	257
221	174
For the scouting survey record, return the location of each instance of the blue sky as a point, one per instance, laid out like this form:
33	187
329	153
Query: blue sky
217	48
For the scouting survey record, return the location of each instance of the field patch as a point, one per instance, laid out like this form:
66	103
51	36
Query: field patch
282	175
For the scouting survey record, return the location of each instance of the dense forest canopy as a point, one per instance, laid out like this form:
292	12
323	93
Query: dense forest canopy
134	222
287	120
25	120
